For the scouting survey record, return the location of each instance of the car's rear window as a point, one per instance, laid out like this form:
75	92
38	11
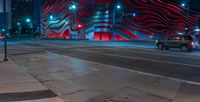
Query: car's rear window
187	37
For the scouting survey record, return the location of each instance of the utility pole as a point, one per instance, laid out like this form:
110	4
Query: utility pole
5	32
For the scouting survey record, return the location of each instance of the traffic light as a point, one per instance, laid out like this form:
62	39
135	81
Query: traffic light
79	25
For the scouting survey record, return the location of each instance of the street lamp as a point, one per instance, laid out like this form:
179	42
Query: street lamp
73	6
73	15
51	17
186	6
197	30
114	20
4	30
29	24
183	4
134	14
28	20
118	6
18	24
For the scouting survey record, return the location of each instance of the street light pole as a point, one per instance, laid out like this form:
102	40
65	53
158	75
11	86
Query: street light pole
188	20
115	7
73	16
186	6
113	24
5	31
71	26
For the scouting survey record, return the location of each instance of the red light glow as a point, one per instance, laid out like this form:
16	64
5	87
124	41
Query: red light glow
79	25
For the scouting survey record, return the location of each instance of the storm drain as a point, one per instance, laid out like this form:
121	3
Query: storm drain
22	96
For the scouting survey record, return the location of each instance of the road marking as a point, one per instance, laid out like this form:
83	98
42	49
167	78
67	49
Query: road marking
154	75
152	53
144	59
144	73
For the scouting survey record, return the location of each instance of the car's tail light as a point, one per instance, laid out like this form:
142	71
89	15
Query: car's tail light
192	43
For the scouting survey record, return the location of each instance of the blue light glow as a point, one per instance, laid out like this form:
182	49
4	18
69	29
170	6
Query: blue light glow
73	6
197	30
186	28
28	20
118	6
51	17
183	4
3	30
18	24
107	12
134	14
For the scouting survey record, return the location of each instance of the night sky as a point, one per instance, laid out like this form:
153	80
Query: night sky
195	4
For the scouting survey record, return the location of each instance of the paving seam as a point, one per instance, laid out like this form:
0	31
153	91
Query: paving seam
31	95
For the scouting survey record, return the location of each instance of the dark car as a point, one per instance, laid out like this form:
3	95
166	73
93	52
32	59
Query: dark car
183	42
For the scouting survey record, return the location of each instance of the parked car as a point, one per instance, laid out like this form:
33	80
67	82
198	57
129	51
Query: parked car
184	42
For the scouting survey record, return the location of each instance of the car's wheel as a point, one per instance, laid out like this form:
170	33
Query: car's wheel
160	46
185	48
190	50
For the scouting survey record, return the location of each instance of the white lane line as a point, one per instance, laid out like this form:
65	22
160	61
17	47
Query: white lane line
143	73
56	99
153	53
144	59
153	75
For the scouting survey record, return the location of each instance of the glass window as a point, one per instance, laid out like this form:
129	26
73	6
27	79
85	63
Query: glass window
174	38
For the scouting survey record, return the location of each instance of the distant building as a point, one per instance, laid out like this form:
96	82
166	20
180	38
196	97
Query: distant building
8	14
22	16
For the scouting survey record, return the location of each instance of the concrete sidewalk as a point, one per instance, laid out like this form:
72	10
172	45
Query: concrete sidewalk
78	80
17	85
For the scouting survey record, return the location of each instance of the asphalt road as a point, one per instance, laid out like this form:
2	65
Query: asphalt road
127	55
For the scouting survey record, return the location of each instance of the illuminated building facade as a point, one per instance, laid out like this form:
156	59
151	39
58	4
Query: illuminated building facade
22	12
116	19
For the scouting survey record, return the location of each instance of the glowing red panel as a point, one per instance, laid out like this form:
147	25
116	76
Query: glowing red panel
120	38
97	36
105	1
106	36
